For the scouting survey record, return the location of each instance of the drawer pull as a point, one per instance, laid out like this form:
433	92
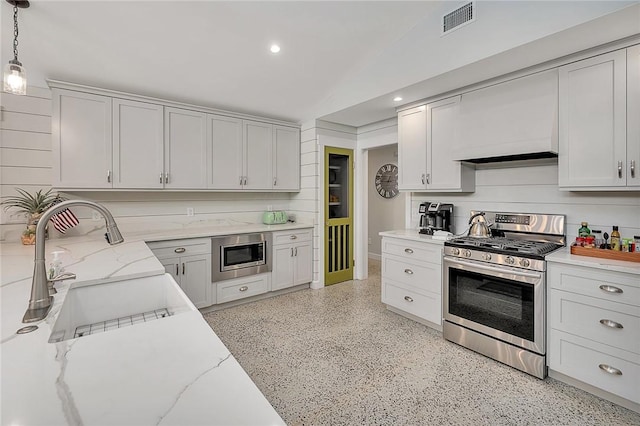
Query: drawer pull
180	250
293	237
243	288
611	370
408	271
408	250
610	323
610	289
408	299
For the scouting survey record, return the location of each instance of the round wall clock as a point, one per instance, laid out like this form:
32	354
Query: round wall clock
387	181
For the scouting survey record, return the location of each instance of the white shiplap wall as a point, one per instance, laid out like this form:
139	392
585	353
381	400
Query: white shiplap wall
25	162
532	187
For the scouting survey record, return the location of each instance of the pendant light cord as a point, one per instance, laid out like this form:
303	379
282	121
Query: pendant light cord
15	33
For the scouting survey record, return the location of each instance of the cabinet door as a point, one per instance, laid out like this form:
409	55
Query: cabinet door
282	271
286	158
137	145
412	149
258	155
81	140
185	154
443	172
172	266
195	280
303	269
225	152
592	122
633	114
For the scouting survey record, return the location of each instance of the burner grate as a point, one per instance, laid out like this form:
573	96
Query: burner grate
531	247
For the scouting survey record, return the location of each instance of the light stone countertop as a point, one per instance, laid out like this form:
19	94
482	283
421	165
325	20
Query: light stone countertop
171	371
564	256
412	235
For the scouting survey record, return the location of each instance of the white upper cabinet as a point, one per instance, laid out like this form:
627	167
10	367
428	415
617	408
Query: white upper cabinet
225	152
593	123
286	158
412	149
185	149
443	172
82	150
137	145
633	116
258	144
516	118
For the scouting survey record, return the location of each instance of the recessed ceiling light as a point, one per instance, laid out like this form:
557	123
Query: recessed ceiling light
274	48
397	99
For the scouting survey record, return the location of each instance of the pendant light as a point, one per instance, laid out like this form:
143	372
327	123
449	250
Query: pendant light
15	77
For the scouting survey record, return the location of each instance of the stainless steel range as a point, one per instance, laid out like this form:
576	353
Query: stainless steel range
494	288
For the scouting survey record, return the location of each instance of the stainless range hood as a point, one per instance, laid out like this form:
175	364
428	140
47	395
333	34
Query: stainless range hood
513	120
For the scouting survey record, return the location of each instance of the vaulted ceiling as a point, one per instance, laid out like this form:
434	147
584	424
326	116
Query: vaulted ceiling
341	60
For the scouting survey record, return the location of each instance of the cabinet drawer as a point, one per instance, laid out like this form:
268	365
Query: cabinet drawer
614	286
584	316
293	236
425	276
413	250
226	291
581	359
425	305
180	247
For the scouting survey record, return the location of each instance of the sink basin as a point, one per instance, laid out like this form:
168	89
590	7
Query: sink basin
109	306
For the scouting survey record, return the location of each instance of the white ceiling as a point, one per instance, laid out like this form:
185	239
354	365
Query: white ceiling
341	60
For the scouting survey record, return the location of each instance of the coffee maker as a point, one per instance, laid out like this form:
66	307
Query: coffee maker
435	217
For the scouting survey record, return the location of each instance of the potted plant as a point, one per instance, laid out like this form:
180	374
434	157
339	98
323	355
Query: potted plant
33	205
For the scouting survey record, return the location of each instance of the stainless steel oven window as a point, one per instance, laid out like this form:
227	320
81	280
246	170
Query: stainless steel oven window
504	303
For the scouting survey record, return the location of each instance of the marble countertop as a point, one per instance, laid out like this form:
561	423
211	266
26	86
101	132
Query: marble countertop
171	371
564	256
413	235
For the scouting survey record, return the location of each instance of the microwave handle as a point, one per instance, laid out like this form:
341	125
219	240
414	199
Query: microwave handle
491	269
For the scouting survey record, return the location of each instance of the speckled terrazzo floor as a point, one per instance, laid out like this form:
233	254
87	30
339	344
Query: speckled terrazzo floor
336	356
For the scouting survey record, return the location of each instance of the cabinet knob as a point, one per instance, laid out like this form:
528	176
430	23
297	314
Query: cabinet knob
611	324
408	250
243	288
408	299
408	271
180	250
610	289
611	370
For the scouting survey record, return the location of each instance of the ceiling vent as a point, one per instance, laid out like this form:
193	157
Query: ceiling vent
458	18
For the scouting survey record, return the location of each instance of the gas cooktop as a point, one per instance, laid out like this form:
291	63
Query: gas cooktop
504	245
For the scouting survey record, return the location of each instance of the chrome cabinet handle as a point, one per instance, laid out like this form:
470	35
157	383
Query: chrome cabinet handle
291	251
240	180
166	178
293	237
183	269
408	250
180	250
296	252
408	299
620	169
108	176
177	269
632	168
408	271
243	288
610	289
423	178
609	369
160	177
611	324
275	181
244	181
428	178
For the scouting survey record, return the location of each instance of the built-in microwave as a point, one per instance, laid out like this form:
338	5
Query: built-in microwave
240	255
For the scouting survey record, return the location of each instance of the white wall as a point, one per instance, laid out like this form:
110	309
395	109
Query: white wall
25	162
532	187
385	214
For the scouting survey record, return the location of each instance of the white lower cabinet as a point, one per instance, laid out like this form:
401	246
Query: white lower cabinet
594	328
239	288
412	279
189	262
292	258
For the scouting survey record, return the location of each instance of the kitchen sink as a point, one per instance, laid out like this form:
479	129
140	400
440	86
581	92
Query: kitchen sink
109	306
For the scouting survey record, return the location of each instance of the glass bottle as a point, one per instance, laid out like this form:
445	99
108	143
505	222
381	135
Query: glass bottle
615	239
584	230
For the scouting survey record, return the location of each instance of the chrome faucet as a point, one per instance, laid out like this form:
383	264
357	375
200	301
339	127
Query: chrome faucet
40	301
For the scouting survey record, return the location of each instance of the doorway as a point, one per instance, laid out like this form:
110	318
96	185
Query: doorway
338	213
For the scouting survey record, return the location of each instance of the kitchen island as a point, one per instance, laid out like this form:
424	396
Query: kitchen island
173	370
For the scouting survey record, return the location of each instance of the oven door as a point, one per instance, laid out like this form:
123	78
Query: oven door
505	303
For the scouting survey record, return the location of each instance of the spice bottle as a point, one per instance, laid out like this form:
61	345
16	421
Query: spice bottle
584	230
615	239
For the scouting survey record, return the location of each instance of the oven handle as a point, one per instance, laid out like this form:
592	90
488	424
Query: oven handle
492	269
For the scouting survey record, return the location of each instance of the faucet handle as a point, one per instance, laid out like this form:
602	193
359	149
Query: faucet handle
62	277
